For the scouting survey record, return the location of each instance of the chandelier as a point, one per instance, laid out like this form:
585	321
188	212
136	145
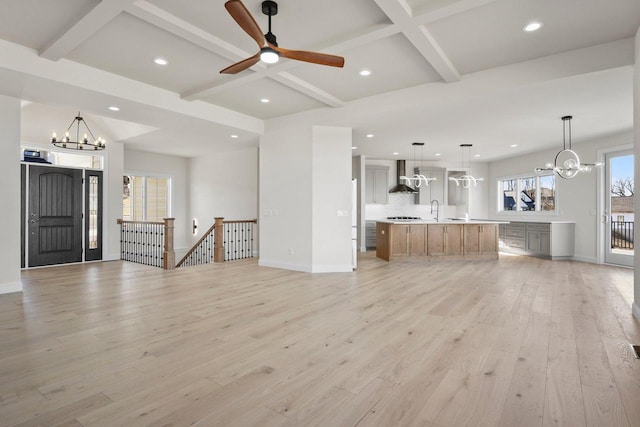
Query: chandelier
567	163
79	143
465	180
417	179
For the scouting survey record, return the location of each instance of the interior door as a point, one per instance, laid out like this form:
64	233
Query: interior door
619	212
55	215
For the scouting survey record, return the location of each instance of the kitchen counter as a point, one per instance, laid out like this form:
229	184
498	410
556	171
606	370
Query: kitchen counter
442	221
430	239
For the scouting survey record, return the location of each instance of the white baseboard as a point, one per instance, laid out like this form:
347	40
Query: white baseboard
636	311
332	268
305	268
284	265
589	259
10	287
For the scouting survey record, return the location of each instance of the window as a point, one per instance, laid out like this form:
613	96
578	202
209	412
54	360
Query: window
145	198
527	193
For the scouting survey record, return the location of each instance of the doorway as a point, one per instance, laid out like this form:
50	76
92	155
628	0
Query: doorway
62	210
619	208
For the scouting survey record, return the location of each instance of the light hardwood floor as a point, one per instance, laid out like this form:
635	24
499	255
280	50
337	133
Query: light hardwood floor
514	342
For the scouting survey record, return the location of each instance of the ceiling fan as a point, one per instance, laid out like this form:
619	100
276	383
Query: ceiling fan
269	50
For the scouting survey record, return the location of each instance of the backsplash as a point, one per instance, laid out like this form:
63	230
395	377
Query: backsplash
403	205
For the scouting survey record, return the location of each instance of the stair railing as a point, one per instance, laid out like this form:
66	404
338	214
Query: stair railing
223	241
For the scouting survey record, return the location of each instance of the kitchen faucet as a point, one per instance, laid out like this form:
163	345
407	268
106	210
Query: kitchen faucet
437	209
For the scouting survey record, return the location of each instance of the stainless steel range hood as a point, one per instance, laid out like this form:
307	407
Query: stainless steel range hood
401	187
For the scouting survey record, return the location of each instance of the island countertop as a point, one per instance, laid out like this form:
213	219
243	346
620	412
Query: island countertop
444	221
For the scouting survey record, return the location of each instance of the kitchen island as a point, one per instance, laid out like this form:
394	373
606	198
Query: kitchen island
437	239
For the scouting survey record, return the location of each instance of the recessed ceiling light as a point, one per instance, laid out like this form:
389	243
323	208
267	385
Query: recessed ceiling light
365	73
265	100
513	145
114	108
354	148
395	153
160	61
369	135
437	154
476	155
532	26
234	136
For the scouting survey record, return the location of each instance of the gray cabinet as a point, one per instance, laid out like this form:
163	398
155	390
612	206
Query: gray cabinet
435	190
376	184
370	234
545	240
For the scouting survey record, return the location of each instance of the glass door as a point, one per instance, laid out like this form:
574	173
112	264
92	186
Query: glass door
619	215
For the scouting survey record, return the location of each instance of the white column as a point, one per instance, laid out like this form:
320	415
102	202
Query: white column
331	201
305	188
10	195
636	150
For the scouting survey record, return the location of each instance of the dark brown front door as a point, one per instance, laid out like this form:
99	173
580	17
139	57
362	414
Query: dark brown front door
55	215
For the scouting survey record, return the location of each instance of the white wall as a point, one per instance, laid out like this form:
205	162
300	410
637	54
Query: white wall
576	197
223	184
331	202
10	195
285	197
113	172
636	150
176	168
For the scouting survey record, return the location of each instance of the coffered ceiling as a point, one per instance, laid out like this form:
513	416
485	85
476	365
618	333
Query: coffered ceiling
442	71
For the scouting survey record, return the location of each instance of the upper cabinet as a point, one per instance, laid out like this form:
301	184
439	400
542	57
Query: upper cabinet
377	184
436	190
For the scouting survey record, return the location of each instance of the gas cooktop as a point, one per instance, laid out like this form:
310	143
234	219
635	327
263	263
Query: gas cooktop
403	217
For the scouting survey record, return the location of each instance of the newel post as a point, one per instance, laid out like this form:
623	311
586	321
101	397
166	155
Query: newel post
218	240
168	256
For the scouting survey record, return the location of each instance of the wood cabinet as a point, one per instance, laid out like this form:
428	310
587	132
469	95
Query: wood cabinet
435	190
436	240
376	184
544	240
480	239
444	239
417	240
408	240
399	239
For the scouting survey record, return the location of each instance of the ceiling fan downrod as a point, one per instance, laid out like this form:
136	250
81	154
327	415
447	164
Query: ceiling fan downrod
270	8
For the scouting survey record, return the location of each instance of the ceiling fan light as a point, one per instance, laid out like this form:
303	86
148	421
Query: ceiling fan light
269	55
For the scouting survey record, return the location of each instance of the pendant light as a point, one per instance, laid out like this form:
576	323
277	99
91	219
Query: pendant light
417	179
83	143
466	180
567	163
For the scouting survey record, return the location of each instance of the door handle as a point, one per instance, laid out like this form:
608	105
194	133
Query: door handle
33	221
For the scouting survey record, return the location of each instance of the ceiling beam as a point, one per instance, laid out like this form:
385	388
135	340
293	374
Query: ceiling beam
160	18
307	88
440	9
87	26
26	75
400	13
